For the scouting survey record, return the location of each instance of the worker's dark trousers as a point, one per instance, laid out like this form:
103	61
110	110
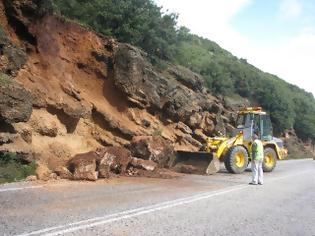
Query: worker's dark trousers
257	172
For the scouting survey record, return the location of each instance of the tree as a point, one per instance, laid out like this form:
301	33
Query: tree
138	22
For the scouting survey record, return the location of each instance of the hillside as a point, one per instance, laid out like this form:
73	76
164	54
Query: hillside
142	23
66	89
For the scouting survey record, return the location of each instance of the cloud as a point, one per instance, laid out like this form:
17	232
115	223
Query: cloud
290	9
204	16
292	59
210	19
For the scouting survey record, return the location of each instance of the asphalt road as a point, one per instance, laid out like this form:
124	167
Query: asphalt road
222	204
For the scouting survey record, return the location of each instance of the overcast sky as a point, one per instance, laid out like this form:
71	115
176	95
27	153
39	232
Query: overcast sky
277	36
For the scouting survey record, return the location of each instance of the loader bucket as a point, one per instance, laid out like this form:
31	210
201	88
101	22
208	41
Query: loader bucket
203	163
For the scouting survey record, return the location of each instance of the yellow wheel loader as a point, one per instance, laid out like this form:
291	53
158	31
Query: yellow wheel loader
235	151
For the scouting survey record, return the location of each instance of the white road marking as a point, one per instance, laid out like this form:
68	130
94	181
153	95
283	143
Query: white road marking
21	188
135	212
38	186
92	222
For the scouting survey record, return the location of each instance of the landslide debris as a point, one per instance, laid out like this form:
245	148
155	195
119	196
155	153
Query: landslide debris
108	162
75	99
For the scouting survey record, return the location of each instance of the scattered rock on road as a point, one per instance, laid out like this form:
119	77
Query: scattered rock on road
117	158
154	148
144	164
31	178
83	166
64	173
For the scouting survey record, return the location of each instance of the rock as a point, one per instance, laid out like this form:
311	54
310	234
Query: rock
187	77
12	57
64	173
105	165
145	123
155	148
188	140
106	121
6	138
43	173
181	103
136	78
24	13
194	120
31	178
184	128
144	164
200	136
83	166
216	108
46	124
219	126
207	124
53	176
75	109
117	158
15	102
69	89
24	130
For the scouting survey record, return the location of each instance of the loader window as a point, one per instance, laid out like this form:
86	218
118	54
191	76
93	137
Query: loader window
243	121
256	123
266	128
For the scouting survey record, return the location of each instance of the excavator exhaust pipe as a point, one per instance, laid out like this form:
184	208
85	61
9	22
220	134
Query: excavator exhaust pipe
203	163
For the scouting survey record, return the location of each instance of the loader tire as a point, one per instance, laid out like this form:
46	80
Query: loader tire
236	160
270	159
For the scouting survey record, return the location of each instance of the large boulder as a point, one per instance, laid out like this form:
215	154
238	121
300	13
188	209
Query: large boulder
83	166
154	148
113	159
187	77
135	77
106	164
12	57
15	101
207	123
144	86
42	172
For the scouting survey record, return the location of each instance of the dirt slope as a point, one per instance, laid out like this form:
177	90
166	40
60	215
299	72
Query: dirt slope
89	91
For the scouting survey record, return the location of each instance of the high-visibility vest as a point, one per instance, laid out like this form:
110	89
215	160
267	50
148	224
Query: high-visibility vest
257	150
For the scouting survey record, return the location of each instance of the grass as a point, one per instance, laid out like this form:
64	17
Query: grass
13	168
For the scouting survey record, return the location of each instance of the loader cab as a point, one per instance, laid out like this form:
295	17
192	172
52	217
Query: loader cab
248	122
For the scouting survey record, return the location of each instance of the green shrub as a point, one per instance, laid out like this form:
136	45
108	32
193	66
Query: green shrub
4	79
13	168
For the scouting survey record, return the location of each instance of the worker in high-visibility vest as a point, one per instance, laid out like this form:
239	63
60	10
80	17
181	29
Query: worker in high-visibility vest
257	156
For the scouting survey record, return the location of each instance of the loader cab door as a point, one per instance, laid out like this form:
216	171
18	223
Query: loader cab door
265	128
245	124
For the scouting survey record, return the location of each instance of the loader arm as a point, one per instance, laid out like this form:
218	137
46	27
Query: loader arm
219	146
